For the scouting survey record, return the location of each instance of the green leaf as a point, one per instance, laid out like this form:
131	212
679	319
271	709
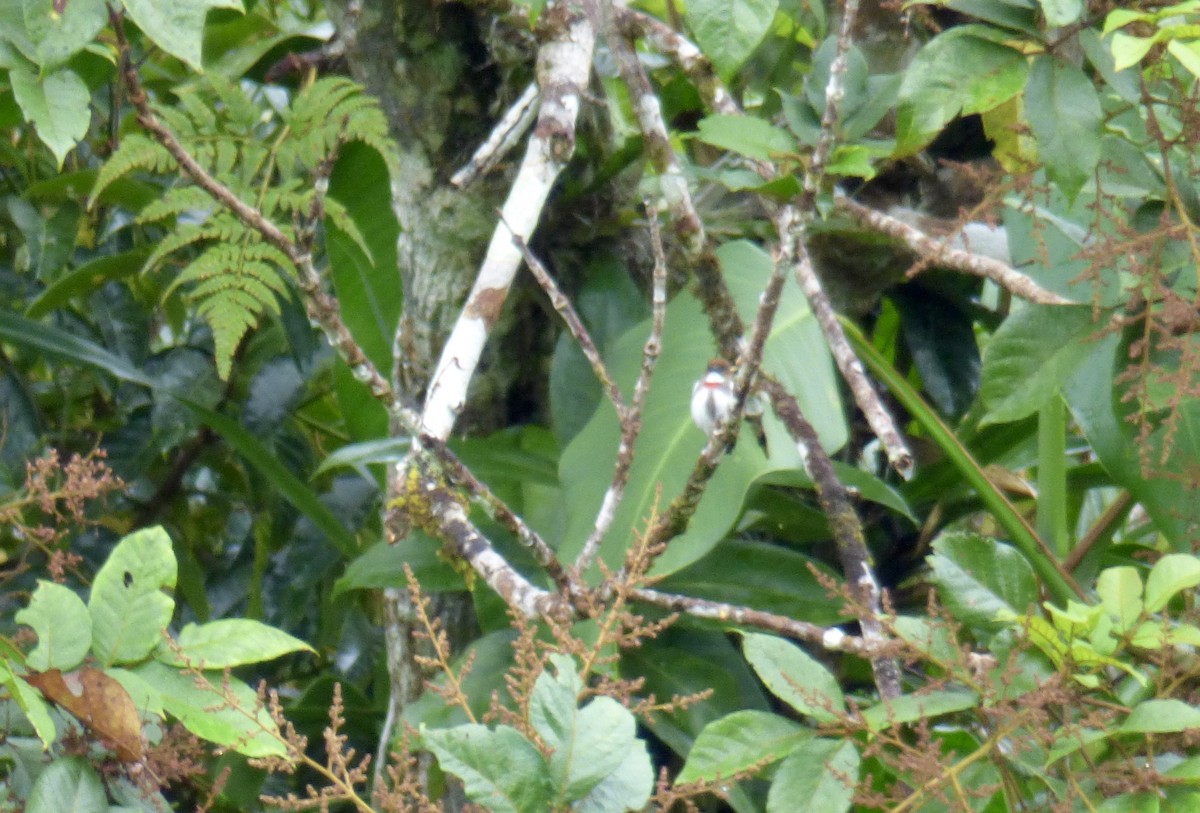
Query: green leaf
728	31
382	565
1031	357
366	283
626	788
1170	575
31	703
1120	592
794	676
63	627
739	741
85	279
980	579
128	606
500	769
1188	54
746	135
1063	110
819	777
58	36
587	744
67	785
986	74
230	642
215	707
762	575
178	26
57	104
1061	12
1160	717
1128	50
912	707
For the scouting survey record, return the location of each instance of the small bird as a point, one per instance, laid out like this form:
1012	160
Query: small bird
713	399
712	396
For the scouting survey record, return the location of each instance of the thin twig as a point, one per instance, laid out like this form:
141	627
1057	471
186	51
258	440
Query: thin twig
831	638
941	253
566	309
631	417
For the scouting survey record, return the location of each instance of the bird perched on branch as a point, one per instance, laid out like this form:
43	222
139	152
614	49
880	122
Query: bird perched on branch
713	399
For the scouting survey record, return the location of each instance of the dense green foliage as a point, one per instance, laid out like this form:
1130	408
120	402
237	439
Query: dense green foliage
197	475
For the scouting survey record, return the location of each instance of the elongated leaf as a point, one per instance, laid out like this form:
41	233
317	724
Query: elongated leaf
741	740
751	137
819	777
1161	717
202	705
794	676
1063	110
1170	575
912	707
54	342
230	642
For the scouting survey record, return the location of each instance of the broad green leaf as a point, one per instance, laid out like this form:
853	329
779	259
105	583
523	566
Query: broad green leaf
128	606
986	74
178	26
794	676
367	284
63	627
69	784
491	657
746	135
500	770
1031	357
1063	110
1120	592
819	777
588	744
230	642
215	707
1170	575
979	578
1160	717
669	443
1061	12
59	35
728	31
57	104
741	740
912	707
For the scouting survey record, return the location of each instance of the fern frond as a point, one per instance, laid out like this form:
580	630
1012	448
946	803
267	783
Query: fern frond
235	285
221	227
136	152
175	202
330	112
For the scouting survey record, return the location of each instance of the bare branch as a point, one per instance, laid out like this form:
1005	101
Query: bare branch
831	638
504	137
944	254
564	62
